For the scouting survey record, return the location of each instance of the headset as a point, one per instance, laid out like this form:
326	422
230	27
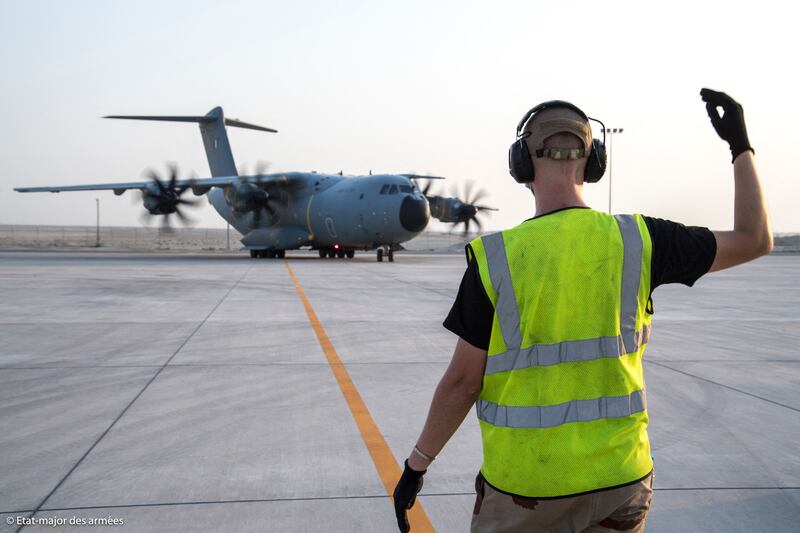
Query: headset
520	164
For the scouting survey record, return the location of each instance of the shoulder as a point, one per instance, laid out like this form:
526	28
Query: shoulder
665	230
681	253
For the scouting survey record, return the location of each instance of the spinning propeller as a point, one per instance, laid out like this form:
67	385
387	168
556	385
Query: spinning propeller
163	197
456	210
467	210
259	193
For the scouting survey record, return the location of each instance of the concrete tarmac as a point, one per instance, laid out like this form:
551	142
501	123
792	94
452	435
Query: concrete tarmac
188	392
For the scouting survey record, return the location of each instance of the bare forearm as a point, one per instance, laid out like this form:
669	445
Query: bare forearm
450	405
750	215
751	236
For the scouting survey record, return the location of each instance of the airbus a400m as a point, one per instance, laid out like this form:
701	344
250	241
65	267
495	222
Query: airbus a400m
332	213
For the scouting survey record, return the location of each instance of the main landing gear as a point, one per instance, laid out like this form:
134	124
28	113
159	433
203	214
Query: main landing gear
387	251
336	252
269	254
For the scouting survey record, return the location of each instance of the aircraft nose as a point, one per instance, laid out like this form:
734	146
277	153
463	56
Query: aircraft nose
414	213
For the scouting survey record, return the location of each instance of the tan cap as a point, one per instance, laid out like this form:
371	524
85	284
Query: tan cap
557	120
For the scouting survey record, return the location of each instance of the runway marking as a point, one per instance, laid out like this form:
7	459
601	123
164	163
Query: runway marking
328	498
127	407
385	463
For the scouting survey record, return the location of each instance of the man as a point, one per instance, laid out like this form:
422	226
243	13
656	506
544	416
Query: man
553	317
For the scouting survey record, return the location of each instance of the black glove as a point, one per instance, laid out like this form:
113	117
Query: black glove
730	126
405	494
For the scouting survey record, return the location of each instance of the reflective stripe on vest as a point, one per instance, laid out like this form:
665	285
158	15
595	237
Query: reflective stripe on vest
548	416
515	358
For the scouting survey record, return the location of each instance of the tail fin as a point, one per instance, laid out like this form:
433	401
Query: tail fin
215	138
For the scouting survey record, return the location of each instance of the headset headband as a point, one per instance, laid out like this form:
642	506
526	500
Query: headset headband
557	103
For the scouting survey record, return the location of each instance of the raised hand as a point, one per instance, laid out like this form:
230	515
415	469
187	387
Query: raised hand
730	125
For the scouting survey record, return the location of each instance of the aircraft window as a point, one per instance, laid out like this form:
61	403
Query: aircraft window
393	189
406	188
384	189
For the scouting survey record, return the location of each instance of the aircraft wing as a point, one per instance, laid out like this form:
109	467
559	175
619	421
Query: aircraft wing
196	184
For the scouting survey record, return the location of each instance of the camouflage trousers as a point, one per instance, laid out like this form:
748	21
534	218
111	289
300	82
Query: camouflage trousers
617	510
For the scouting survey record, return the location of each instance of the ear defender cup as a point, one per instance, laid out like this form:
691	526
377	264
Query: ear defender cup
596	165
520	164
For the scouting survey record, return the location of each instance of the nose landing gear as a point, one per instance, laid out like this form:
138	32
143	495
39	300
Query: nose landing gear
387	251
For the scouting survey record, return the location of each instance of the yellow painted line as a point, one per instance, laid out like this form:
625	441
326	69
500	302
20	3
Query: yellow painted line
387	466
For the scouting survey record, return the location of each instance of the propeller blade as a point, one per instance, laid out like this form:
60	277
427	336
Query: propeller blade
468	191
173	175
192	179
479	195
186	220
478	223
150	173
262	167
166	227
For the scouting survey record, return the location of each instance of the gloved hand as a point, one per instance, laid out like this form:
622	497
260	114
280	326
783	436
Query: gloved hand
730	126
405	494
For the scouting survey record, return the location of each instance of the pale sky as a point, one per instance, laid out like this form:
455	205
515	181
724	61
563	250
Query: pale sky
431	87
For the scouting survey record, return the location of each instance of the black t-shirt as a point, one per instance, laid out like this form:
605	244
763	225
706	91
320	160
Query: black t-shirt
681	254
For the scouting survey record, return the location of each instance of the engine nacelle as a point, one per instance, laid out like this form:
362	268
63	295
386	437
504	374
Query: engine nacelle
245	196
158	201
447	209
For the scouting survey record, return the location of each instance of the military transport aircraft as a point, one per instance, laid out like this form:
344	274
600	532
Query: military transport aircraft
333	213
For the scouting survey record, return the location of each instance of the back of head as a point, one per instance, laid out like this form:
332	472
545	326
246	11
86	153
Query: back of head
546	123
559	142
554	121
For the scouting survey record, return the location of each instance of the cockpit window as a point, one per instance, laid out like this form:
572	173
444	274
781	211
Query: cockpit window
406	188
393	189
384	189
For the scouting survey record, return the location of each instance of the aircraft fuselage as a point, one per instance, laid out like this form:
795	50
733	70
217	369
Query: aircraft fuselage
324	210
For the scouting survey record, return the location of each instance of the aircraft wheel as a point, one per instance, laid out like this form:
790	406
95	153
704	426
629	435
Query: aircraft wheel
280	254
350	253
380	255
391	255
270	254
253	254
322	253
331	253
340	254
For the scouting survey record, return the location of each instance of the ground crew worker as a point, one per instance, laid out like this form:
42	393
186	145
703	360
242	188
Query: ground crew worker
553	317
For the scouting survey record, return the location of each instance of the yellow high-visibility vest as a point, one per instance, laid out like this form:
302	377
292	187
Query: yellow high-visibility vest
562	410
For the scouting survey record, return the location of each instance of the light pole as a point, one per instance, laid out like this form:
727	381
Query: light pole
610	132
97	244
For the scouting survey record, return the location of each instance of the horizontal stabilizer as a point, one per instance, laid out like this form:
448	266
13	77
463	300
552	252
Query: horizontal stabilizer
239	124
199	119
165	118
